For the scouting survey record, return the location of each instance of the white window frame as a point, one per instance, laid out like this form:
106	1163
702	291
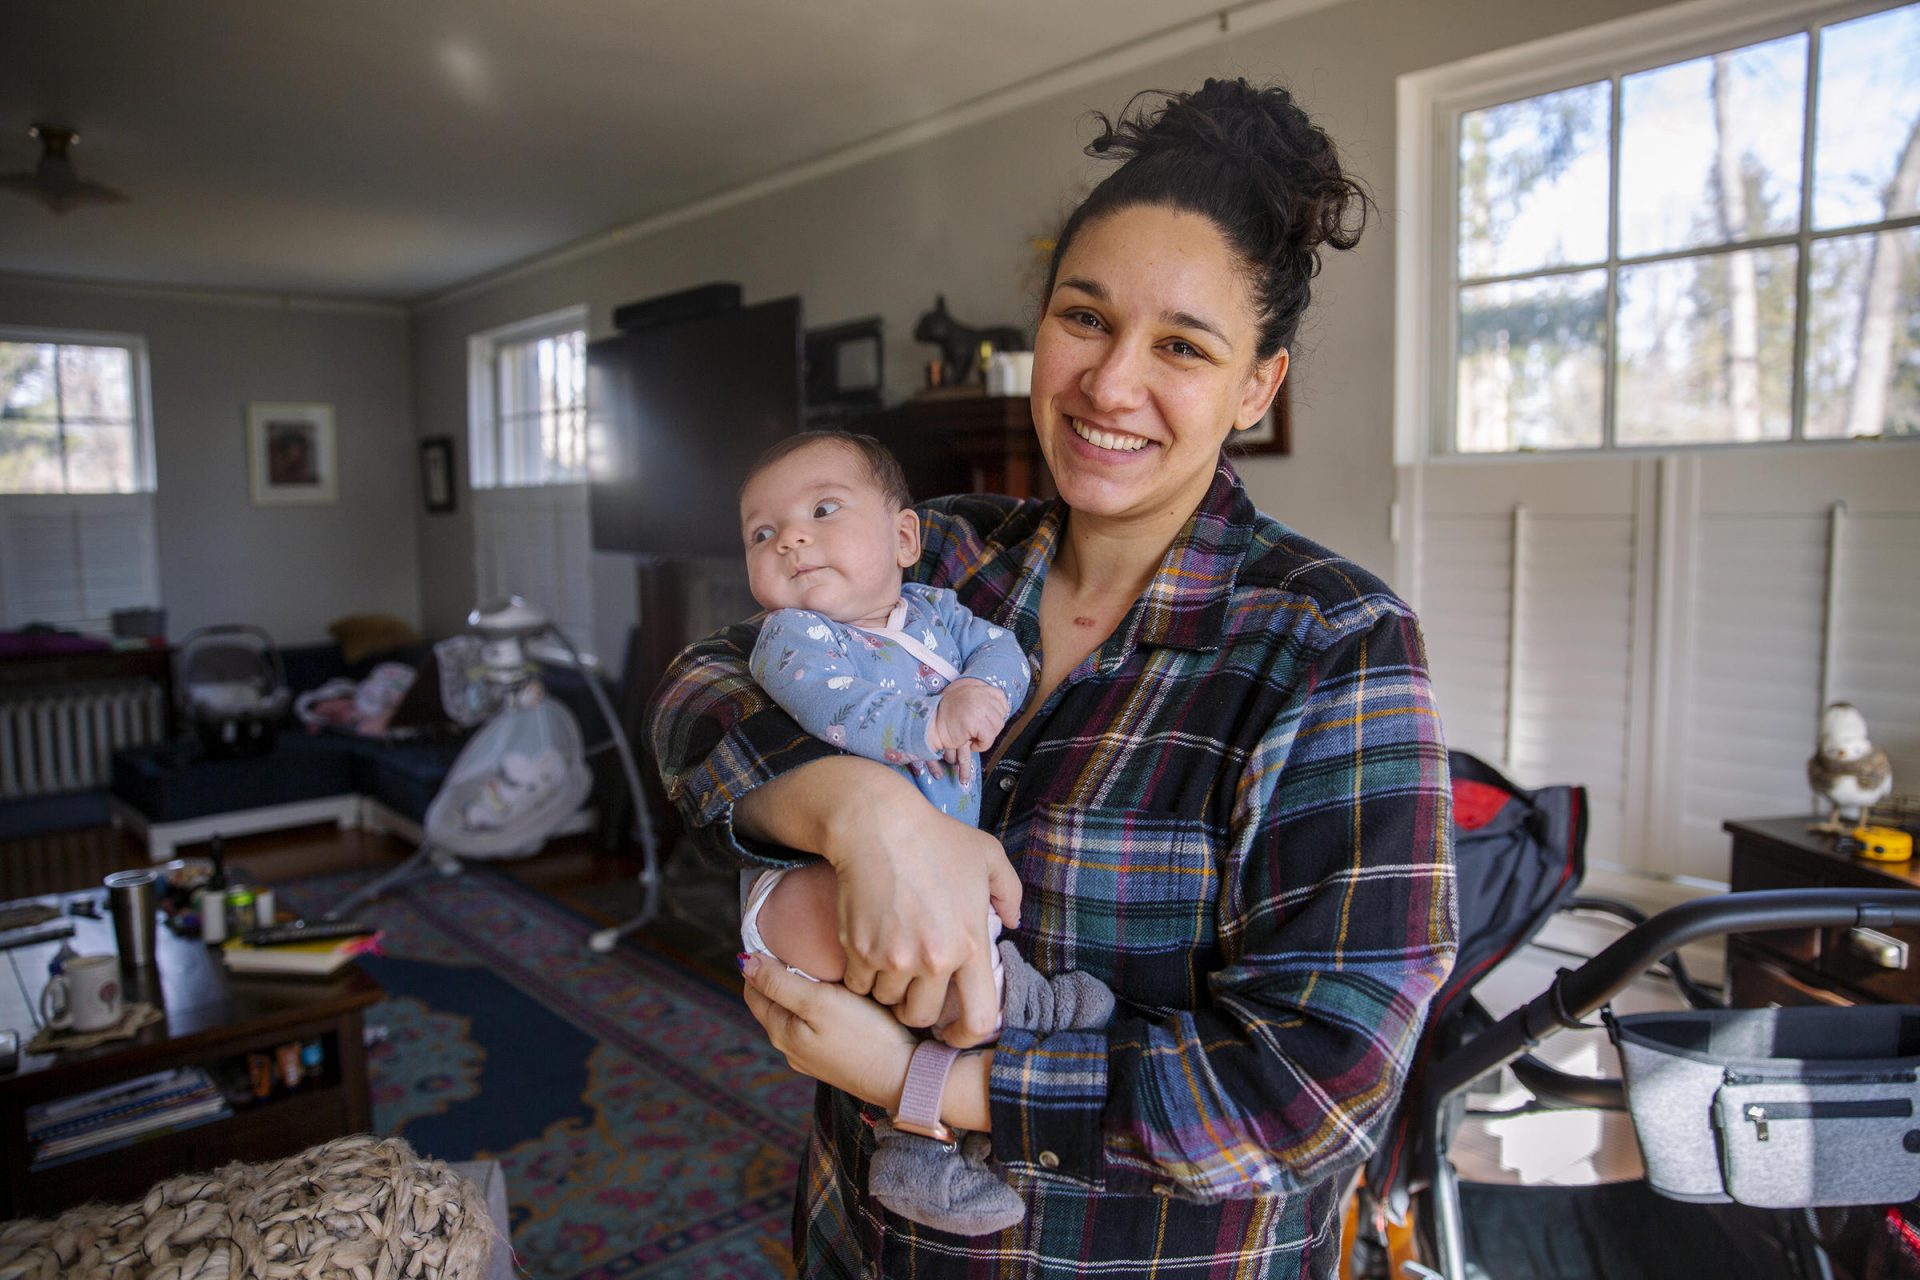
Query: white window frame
485	469
141	392
1430	104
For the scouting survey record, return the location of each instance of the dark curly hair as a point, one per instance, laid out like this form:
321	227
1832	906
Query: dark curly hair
882	467
1253	163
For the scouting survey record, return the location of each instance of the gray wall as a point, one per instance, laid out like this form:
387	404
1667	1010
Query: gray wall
956	215
291	570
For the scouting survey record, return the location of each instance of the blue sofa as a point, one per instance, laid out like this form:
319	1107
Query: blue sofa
171	793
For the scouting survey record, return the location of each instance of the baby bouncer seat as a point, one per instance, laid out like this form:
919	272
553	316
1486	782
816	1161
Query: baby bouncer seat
524	773
230	688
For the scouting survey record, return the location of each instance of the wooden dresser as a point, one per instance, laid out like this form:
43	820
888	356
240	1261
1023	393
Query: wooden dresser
1817	966
958	442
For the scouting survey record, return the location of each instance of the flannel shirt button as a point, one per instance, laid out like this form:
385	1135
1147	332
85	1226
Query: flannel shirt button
1048	1160
1006	783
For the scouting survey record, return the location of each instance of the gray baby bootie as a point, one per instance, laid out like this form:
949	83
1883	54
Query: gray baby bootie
950	1188
1034	1002
953	1188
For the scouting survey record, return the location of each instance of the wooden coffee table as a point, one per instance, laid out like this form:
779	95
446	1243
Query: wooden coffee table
213	1020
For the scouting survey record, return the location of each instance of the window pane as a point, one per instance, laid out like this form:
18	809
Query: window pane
1710	149
1866	159
1533	182
541	409
26	380
1863	336
99	458
97	383
29	457
1531	366
1705	352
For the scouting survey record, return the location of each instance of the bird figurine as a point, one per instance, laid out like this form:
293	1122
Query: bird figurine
1847	771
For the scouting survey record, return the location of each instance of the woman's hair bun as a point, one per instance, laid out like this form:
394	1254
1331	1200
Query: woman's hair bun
1251	160
1287	158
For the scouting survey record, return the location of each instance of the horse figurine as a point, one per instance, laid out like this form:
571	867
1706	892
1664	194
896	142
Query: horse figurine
960	345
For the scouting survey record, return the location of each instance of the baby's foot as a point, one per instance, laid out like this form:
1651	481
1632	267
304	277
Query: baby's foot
1066	1002
947	1188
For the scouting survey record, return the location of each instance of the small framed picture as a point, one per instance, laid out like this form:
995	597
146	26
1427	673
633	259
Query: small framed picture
290	454
436	474
1273	434
844	370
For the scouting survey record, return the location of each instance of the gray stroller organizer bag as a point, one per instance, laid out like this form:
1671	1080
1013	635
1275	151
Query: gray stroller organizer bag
1776	1108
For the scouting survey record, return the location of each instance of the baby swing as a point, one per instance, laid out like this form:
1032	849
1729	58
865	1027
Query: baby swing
525	773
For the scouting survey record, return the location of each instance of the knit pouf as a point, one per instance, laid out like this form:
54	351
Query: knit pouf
361	1207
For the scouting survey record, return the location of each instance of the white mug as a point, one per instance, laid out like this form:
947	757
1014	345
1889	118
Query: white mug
87	993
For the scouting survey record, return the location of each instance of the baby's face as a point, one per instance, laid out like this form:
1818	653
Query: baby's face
821	535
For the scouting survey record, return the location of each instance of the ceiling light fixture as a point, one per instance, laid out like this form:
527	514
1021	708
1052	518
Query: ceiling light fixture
54	182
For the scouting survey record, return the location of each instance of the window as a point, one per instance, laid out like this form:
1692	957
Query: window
1713	240
527	387
77	534
529	402
73	413
1692	227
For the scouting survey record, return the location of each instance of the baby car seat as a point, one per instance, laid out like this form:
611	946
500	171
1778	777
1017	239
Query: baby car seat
231	688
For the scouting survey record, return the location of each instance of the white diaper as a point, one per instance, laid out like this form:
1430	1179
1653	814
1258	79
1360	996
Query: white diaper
762	888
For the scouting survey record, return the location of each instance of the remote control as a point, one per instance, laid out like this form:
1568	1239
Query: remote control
282	935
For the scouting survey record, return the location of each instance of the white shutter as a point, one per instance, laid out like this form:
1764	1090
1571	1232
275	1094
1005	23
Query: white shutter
1750	697
1876	632
1526	584
1665	630
1572	682
536	543
71	560
1465	613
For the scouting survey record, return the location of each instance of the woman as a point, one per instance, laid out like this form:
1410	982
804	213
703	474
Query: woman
1226	797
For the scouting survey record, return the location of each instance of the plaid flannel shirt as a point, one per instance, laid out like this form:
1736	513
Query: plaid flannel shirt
1235	813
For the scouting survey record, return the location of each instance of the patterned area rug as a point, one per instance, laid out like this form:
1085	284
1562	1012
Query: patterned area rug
644	1125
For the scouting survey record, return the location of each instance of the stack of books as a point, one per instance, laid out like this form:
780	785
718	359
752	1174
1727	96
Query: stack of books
301	950
117	1116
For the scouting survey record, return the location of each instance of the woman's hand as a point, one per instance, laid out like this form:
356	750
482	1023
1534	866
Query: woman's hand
829	1033
914	897
914	886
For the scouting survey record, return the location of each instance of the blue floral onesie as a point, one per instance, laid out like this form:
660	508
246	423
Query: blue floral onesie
873	692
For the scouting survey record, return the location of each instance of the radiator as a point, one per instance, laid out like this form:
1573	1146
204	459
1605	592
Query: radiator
64	740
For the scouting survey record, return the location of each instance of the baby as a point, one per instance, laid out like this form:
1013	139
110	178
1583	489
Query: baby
905	675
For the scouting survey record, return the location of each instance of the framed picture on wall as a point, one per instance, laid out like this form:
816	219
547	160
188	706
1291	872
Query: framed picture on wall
1273	434
290	454
436	474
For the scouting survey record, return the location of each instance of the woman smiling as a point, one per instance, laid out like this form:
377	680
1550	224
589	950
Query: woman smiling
1226	797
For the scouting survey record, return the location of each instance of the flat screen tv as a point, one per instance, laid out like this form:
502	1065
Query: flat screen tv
676	414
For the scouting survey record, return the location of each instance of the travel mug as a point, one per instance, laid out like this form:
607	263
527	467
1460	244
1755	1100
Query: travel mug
131	896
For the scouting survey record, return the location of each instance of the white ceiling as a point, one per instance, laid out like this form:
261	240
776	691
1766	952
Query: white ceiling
391	149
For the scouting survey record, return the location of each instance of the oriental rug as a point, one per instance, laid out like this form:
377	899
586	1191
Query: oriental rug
645	1126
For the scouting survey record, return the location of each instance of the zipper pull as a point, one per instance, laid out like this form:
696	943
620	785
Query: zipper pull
1758	1114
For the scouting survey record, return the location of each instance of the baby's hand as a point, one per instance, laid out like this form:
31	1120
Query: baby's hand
968	719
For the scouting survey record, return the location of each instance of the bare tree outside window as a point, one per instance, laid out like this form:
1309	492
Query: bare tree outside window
1635	264
67	418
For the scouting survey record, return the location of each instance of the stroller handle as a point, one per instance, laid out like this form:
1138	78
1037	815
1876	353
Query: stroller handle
1574	993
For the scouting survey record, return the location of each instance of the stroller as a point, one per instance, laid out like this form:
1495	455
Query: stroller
1755	1126
231	689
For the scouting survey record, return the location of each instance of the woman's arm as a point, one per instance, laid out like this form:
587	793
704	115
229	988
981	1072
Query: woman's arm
1336	926
915	885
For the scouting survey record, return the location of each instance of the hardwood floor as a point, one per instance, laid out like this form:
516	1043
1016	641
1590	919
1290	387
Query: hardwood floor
699	922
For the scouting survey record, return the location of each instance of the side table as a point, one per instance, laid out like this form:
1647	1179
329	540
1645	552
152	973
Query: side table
212	1019
1817	966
